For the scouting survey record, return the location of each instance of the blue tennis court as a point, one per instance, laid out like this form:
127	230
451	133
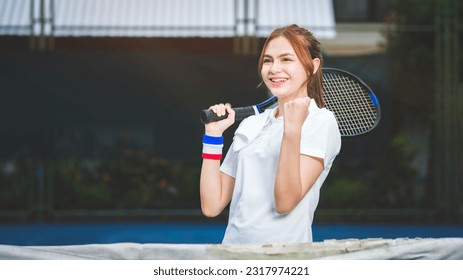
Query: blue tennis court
193	233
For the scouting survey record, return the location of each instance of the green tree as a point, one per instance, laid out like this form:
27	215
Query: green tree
410	43
412	34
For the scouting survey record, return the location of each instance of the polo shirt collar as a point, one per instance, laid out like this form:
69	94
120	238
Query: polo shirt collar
250	128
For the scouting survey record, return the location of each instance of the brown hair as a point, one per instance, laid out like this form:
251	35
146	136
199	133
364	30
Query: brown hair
307	48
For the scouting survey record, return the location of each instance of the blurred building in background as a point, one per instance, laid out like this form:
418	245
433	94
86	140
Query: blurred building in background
43	20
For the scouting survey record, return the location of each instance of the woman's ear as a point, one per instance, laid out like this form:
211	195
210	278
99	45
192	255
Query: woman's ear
316	65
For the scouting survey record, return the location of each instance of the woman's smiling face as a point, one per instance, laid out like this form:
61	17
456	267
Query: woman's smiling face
282	72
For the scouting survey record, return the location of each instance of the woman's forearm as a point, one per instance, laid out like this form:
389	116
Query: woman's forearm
210	187
216	188
288	185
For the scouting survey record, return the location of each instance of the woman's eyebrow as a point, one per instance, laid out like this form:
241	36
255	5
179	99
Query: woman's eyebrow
286	54
281	55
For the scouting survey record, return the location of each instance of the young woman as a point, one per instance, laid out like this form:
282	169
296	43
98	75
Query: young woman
278	161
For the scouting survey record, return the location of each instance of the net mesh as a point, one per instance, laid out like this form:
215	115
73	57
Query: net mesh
350	101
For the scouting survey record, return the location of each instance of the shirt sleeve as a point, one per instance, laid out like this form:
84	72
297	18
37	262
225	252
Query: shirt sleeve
321	137
230	162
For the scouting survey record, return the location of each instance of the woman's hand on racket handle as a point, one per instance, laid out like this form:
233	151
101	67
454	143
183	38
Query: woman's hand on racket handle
217	128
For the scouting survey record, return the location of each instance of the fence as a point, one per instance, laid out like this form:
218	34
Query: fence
33	194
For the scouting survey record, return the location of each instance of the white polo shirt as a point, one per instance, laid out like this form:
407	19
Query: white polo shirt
252	160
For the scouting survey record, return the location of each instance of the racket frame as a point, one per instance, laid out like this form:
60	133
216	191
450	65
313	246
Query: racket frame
261	107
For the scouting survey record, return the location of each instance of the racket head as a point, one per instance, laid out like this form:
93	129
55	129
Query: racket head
352	102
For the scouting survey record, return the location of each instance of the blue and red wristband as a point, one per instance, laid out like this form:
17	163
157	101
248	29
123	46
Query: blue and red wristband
212	147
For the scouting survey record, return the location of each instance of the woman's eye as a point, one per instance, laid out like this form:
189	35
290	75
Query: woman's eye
267	60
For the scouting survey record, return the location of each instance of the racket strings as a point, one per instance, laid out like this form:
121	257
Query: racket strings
350	102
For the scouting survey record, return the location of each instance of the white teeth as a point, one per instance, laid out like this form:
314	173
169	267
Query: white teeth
278	80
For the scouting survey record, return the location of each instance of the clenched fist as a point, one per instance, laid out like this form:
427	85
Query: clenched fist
295	112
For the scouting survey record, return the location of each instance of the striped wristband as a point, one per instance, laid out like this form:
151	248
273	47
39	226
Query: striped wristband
212	147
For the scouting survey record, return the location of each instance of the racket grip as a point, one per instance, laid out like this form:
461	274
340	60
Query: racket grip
208	116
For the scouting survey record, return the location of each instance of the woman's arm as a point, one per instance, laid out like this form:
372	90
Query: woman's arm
216	188
296	173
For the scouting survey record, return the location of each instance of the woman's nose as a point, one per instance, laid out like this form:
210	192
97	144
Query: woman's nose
275	68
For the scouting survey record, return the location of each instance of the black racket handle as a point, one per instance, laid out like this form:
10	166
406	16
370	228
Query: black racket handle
208	116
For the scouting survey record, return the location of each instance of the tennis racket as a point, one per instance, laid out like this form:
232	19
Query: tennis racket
353	103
